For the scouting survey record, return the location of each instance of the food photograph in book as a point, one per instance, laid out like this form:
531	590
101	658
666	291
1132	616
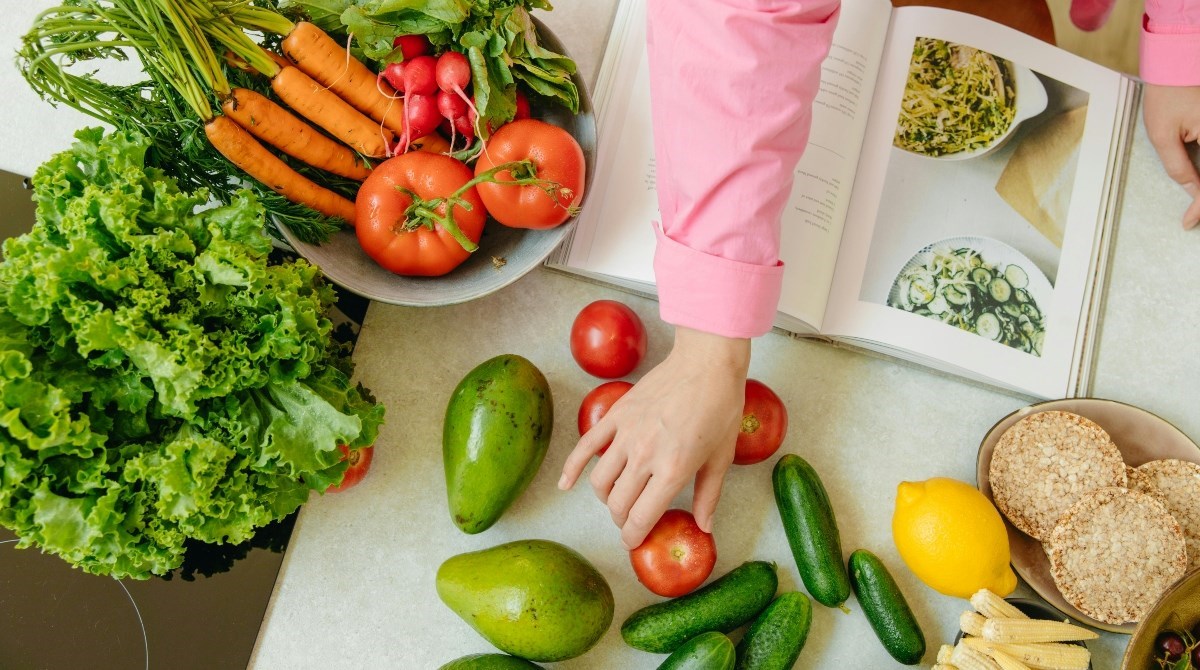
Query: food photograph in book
976	194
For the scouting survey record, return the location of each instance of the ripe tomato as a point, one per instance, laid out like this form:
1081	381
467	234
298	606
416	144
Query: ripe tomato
597	403
764	424
608	339
360	462
404	242
676	556
556	157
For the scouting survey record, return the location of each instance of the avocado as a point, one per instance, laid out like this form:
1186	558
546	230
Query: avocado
535	599
494	439
490	662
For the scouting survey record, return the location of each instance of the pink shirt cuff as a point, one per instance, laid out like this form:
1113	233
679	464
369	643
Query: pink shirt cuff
714	294
1170	56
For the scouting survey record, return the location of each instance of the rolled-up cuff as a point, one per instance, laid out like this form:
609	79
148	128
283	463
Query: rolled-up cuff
713	294
1170	58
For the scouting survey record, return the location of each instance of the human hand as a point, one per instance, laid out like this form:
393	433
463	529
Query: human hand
680	421
1172	116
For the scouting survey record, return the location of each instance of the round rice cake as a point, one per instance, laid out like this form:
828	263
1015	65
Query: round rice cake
1177	484
1043	464
1140	480
1115	552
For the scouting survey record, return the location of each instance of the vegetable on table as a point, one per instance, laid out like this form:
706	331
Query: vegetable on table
886	608
162	382
608	339
764	425
811	529
676	557
358	463
596	404
777	636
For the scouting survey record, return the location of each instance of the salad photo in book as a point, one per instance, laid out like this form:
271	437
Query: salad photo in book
954	206
978	190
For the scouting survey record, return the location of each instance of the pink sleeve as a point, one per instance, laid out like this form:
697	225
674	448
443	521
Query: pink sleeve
1170	50
732	84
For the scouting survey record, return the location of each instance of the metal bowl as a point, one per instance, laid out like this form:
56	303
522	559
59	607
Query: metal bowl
344	262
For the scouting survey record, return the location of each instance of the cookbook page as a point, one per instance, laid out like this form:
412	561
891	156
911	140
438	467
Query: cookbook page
614	235
978	200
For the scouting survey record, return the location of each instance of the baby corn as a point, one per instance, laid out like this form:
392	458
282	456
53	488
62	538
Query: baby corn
1007	662
944	653
993	606
943	666
1041	656
968	658
971	623
1024	631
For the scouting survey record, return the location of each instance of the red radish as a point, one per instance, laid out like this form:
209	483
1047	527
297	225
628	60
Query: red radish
419	76
394	75
451	107
465	125
412	45
522	107
422	116
453	76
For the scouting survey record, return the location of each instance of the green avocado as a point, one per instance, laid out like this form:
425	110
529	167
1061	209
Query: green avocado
535	599
495	436
490	662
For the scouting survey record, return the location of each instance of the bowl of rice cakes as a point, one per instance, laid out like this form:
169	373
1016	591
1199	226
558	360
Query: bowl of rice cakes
1101	501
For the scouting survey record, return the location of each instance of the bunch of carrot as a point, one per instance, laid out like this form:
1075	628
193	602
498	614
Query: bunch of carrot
177	42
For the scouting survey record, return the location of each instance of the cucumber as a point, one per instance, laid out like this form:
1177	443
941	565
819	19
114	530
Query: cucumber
886	608
811	530
706	651
490	662
776	637
721	606
988	325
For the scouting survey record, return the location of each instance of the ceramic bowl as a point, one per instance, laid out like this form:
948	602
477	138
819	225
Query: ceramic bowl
504	255
1139	435
1178	609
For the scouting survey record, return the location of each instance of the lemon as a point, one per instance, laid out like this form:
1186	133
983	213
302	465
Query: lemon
952	538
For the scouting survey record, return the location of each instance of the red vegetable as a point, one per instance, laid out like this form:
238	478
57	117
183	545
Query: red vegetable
676	557
608	339
412	46
544	196
596	404
360	463
424	241
764	424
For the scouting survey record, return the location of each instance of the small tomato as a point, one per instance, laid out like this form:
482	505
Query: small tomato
360	462
764	424
608	339
596	404
676	557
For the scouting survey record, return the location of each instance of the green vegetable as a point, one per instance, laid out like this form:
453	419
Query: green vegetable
721	606
811	530
159	381
490	662
166	109
886	608
494	438
706	651
957	99
958	287
497	36
777	636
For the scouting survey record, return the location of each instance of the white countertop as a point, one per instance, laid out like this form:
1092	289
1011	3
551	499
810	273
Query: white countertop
357	587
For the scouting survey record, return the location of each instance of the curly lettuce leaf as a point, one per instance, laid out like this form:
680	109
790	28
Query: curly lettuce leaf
160	381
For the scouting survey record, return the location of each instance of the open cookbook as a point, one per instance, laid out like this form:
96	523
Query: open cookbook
954	206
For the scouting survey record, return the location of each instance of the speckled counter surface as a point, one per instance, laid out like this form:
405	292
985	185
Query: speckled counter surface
357	588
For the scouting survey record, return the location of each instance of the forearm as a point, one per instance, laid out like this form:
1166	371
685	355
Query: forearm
732	84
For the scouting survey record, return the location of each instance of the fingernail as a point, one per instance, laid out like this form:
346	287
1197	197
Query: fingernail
562	483
1188	225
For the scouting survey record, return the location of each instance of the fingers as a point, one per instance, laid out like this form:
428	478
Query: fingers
707	493
625	492
587	447
648	509
1178	164
605	473
1192	216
